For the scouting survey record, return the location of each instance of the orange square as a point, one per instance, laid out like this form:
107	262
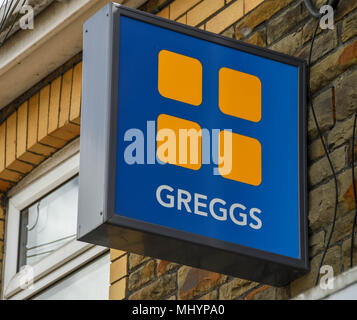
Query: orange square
180	77
179	142
240	94
242	158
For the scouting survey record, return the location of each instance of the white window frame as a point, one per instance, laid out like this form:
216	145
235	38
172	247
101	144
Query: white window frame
64	260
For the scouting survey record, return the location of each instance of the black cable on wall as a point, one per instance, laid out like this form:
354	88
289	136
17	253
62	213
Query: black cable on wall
316	13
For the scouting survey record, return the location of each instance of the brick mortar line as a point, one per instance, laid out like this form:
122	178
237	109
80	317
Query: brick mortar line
312	162
126	295
158	8
38	154
265	23
294	29
322	34
155	278
176	293
152	280
334	50
327	230
26	162
216	287
339	31
326	181
70	102
226	5
234	25
116	259
339	244
140	264
173	293
17	102
245	294
180	16
59	104
308	43
12	170
117	280
334	81
11	182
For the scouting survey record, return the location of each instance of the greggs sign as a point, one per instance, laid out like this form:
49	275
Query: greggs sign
192	147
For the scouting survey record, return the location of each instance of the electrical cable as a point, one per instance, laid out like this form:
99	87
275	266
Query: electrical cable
314	11
3	7
326	152
7	12
14	20
13	23
354	190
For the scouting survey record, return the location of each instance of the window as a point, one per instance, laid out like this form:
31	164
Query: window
43	259
48	224
89	282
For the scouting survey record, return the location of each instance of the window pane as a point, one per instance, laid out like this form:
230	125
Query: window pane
88	283
49	223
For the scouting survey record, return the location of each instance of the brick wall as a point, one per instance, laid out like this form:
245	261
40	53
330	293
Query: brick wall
118	274
42	124
284	26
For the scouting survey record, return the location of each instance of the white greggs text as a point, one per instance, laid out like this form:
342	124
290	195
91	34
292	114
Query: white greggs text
217	208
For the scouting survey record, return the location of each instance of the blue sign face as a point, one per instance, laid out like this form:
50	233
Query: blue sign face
236	115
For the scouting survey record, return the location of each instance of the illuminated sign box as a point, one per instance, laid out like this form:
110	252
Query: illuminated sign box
193	148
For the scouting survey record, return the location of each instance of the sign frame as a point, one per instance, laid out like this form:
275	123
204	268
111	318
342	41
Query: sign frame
97	222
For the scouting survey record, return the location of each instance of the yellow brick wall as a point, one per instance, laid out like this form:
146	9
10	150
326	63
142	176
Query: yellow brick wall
118	274
40	126
213	15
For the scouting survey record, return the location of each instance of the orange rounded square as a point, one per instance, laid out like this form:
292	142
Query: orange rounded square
180	77
243	159
240	95
179	142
